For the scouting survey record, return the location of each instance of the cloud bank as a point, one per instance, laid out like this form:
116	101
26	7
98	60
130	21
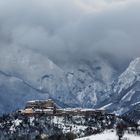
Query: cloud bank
71	30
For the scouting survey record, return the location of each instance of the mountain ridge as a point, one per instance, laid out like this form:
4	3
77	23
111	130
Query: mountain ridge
89	84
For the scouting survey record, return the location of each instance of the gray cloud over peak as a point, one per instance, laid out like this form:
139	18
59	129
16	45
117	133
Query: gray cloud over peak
72	30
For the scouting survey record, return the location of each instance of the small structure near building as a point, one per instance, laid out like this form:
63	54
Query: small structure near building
41	104
49	107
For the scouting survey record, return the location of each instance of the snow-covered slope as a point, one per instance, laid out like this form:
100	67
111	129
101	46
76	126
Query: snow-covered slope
109	136
14	93
30	66
89	81
129	77
126	90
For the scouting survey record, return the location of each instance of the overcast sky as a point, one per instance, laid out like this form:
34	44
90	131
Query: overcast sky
71	29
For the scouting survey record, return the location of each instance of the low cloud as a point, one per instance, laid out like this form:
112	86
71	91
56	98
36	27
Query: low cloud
72	30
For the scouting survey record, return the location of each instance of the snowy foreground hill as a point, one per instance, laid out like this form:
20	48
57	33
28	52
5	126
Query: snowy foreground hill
109	136
17	126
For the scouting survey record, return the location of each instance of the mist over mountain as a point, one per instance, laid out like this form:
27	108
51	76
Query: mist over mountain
72	30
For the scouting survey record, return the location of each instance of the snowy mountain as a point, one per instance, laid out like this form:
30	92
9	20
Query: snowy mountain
91	84
38	77
88	82
27	76
126	89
